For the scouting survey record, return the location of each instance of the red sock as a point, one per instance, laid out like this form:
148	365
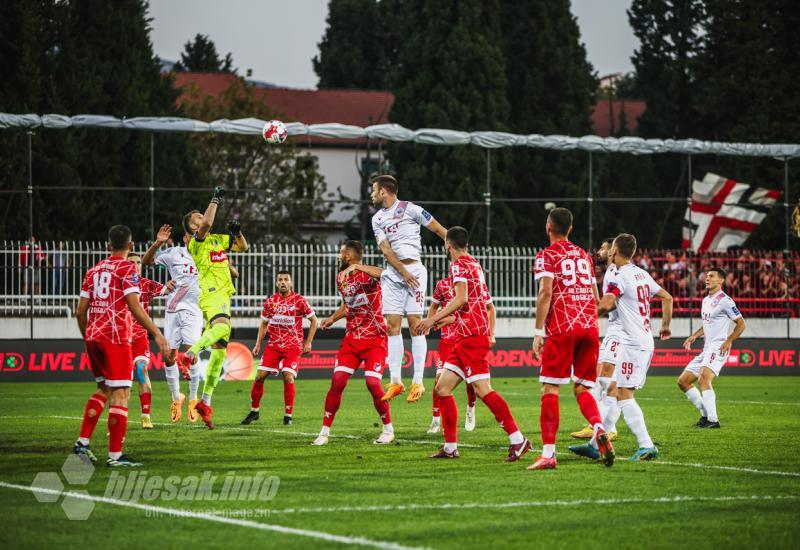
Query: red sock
334	397
374	387
117	425
436	405
449	418
588	405
471	397
501	412
548	420
91	414
146	399
288	398
256	392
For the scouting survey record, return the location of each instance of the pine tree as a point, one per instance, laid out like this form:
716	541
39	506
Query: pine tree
451	74
200	55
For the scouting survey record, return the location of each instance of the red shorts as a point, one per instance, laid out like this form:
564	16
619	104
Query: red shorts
371	351
275	360
140	348
111	363
572	353
467	358
445	347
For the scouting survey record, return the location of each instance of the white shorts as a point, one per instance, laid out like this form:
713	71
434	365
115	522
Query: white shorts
398	297
632	368
183	327
711	358
609	350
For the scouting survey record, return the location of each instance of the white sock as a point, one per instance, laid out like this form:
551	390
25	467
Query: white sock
612	414
207	399
597	392
605	382
326	431
516	438
710	404
693	395
388	428
173	383
634	418
450	447
419	349
395	358
194	381
548	451
114	456
255	409
83	440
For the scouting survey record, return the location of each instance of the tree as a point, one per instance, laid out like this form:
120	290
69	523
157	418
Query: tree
86	56
200	55
281	188
352	51
451	74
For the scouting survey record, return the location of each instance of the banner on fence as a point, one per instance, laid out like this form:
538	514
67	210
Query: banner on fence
66	360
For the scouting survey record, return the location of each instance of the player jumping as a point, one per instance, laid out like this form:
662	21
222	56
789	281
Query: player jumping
281	318
605	390
183	320
467	359
109	296
442	295
566	312
140	343
209	251
364	340
396	227
718	311
630	291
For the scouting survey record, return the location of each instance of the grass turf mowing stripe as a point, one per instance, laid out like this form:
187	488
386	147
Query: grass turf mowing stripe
530	504
360	541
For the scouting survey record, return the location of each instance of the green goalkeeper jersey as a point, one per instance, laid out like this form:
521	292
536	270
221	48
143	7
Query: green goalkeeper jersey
211	257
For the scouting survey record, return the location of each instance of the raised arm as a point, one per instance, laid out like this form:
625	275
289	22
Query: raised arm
437	228
210	214
162	237
371	270
239	243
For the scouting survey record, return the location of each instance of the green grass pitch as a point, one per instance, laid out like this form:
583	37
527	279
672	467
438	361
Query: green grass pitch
735	487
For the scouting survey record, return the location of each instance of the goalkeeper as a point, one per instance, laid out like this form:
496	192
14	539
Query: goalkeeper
209	251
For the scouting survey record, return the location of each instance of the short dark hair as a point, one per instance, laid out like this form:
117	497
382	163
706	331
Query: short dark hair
186	219
608	240
119	236
458	237
721	272
626	244
355	246
283	272
387	182
560	220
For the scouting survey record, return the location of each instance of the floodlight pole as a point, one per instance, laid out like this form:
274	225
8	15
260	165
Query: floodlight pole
590	200
487	197
689	181
31	255
787	255
152	187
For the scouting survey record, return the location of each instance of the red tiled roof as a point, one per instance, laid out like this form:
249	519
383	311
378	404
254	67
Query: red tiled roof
606	116
368	107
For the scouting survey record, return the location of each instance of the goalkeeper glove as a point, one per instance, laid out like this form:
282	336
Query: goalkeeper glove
235	227
219	192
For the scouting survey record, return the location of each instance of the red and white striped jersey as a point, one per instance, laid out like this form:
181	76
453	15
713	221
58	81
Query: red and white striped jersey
148	289
105	286
284	318
472	319
362	297
570	267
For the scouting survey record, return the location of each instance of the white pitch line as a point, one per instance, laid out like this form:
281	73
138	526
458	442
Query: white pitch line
530	504
735	402
360	541
463	445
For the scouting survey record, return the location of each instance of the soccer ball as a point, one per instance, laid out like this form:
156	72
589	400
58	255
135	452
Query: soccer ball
274	132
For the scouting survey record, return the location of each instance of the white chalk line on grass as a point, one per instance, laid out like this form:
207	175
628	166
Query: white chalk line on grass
308	533
676	399
530	504
464	445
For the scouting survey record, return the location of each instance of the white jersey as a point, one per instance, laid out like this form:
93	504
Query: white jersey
399	224
634	288
717	312
614	325
183	271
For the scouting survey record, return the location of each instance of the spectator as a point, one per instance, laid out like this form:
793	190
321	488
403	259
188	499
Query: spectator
38	261
59	261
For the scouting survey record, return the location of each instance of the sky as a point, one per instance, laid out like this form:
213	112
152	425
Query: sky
278	38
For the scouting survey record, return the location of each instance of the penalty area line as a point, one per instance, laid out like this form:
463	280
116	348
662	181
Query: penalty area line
320	535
